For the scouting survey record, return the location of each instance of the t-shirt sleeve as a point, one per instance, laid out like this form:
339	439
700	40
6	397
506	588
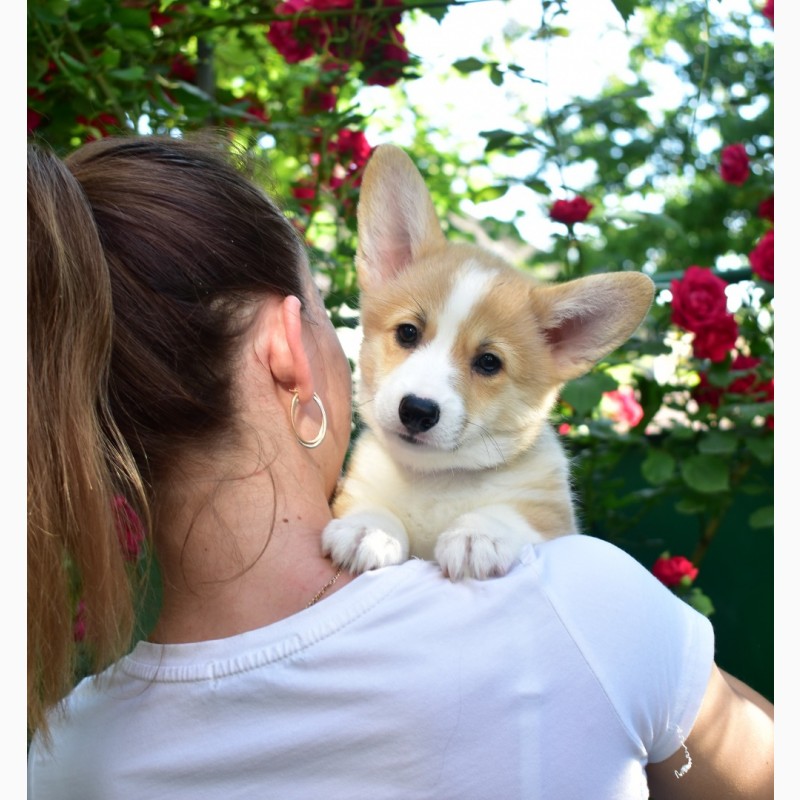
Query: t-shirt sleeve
651	652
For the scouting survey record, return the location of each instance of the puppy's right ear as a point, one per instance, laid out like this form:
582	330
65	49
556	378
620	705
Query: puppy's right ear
396	218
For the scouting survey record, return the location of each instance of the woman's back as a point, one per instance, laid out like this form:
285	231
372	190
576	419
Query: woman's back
404	685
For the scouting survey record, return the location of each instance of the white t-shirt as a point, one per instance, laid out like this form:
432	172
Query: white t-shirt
559	681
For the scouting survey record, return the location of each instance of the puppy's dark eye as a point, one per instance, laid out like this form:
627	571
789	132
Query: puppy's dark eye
487	364
407	335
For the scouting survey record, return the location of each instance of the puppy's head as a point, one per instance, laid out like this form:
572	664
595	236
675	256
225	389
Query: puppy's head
463	355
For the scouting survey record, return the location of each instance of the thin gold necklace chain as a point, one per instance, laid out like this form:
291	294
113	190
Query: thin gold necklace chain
325	588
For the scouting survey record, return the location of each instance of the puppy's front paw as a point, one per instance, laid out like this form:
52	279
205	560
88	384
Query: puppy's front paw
465	552
358	543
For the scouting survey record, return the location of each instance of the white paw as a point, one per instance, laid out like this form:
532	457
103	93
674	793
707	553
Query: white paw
467	553
356	543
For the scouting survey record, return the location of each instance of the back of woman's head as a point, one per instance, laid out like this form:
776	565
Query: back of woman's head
188	241
144	256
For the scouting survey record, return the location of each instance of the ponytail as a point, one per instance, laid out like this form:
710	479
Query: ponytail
74	457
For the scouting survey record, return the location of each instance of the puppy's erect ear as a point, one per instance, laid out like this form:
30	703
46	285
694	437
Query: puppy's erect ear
588	318
396	218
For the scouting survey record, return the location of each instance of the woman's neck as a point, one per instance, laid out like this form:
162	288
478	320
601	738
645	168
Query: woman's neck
242	555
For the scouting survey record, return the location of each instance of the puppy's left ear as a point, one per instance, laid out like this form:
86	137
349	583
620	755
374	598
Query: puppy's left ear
397	222
588	318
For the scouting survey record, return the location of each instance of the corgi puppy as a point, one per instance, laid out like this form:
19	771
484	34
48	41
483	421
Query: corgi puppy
460	365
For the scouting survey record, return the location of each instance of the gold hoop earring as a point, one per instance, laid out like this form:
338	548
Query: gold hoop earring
323	428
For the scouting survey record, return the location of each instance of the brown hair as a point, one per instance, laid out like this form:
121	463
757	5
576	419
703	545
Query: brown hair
143	253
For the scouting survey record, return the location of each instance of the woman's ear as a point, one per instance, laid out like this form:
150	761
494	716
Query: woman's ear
279	342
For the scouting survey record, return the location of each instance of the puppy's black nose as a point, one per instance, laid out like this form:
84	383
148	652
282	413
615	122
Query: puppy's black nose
418	414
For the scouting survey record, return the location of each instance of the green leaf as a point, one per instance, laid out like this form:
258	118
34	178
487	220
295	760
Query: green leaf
658	467
129	74
717	442
763	517
488	193
690	505
496	76
53	14
699	601
538	186
467	65
78	66
127	17
584	393
708	474
496	139
681	433
763	448
625	8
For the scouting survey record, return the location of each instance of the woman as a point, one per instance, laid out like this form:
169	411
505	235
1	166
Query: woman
182	366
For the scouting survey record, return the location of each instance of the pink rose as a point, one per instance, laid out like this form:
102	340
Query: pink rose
571	211
130	530
79	623
674	570
716	340
734	164
698	299
624	407
762	257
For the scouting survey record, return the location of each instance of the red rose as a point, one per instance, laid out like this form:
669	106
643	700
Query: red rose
34	120
734	164
352	147
698	299
571	211
159	19
766	208
258	112
300	37
316	99
102	123
706	392
674	570
306	192
769	12
181	68
715	341
389	67
745	383
762	257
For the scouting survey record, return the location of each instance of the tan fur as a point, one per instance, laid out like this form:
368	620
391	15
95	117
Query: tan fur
489	474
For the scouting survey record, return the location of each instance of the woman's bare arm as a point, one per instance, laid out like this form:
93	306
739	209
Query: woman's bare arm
731	748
